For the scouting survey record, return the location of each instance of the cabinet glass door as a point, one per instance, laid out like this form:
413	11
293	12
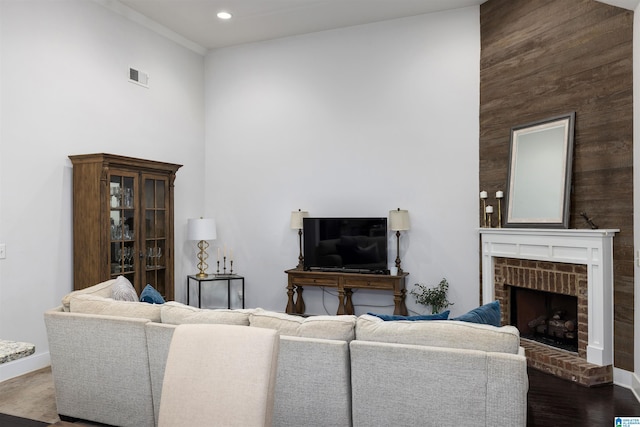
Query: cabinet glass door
123	250
155	206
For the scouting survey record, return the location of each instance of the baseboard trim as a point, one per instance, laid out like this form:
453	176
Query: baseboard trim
635	386
628	380
622	377
24	366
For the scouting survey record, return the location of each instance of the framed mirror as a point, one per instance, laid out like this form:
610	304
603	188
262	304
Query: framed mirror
539	179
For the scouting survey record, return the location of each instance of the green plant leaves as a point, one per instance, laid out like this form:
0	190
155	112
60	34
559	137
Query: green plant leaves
435	297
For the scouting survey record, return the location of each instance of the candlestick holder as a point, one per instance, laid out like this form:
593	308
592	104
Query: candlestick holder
218	268
489	220
484	213
231	266
224	264
483	197
499	196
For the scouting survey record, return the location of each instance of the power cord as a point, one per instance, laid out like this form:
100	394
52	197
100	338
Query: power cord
335	294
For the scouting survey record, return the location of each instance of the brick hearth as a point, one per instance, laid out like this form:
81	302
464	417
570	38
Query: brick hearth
565	365
561	278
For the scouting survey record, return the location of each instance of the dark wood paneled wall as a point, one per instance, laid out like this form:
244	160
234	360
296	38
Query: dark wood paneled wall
542	58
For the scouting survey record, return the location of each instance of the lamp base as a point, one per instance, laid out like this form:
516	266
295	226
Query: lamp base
398	262
300	265
202	256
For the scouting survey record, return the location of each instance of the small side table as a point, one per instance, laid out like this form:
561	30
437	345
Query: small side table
215	278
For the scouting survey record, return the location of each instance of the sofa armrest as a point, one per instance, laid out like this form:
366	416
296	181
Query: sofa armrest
507	381
102	289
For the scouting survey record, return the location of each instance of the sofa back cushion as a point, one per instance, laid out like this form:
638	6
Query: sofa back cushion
324	327
92	304
175	313
101	289
440	333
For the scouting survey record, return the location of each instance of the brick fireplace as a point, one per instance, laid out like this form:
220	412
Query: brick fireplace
575	263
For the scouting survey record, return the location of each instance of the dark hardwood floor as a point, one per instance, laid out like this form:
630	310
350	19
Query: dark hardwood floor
11	421
558	403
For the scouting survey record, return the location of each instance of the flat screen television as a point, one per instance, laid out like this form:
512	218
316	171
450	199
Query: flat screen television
353	245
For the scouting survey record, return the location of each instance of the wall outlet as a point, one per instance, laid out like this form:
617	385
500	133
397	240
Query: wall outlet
3	250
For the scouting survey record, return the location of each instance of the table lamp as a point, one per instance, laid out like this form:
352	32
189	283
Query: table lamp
296	224
399	221
201	230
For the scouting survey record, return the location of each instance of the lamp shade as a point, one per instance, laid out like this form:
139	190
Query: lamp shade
296	219
399	220
201	229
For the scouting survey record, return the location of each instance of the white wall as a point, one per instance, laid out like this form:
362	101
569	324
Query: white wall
636	201
349	122
65	90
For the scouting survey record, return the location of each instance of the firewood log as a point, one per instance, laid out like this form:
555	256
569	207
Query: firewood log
541	320
570	325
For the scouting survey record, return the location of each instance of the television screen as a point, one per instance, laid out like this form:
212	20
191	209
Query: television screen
345	244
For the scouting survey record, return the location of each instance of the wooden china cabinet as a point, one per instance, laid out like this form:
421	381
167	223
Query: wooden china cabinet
123	221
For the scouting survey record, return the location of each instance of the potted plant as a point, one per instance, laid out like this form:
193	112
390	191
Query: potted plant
435	297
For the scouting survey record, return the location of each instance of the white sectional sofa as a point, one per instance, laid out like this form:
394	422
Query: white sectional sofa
108	361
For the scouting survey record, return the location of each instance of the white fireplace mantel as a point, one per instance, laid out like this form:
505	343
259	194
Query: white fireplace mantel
593	248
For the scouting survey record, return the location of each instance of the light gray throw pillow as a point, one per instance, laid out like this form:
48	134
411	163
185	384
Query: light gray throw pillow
122	290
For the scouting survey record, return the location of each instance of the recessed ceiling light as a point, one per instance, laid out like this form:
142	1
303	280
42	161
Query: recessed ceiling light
224	15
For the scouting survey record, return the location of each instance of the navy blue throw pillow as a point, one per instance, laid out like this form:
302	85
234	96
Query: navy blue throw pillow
488	314
388	317
150	295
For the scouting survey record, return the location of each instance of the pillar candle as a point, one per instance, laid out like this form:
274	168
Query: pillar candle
499	194
489	209
483	195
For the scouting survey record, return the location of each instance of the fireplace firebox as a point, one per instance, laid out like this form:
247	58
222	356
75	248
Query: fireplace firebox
546	317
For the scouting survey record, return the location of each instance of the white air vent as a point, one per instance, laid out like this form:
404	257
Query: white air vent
138	77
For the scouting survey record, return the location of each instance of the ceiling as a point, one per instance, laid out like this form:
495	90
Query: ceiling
257	20
194	24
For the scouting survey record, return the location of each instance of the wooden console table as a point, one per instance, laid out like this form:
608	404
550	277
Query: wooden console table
344	283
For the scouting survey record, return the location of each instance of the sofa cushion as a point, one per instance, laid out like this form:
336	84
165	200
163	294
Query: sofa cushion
122	290
92	304
101	289
488	314
325	327
392	317
150	295
443	333
175	313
